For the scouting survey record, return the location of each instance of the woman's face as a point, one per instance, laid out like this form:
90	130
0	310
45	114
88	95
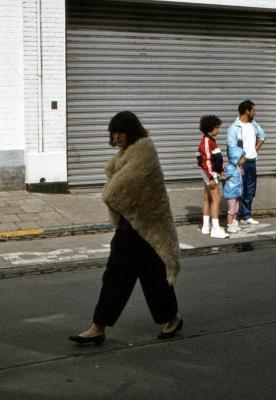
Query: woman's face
120	138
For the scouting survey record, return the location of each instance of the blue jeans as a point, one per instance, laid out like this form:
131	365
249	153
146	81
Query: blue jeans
249	180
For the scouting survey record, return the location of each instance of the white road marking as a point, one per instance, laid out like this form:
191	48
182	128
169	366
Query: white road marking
267	233
61	255
249	231
183	246
47	318
83	253
252	234
250	228
48	257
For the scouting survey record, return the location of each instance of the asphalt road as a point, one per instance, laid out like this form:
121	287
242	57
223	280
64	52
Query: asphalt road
226	350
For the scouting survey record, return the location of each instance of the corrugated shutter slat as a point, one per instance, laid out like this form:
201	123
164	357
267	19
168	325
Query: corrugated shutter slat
170	65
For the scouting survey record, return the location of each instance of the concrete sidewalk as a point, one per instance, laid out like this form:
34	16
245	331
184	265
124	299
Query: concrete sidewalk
24	214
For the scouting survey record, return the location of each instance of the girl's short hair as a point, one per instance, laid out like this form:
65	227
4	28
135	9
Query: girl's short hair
208	123
126	122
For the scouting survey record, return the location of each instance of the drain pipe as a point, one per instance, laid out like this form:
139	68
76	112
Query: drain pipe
39	78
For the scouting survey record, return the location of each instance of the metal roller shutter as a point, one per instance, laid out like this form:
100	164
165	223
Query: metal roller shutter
169	65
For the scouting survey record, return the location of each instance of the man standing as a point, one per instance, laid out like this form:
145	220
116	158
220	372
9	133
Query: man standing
247	134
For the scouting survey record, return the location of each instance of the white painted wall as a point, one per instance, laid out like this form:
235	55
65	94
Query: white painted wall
27	121
11	76
44	82
54	74
253	4
47	165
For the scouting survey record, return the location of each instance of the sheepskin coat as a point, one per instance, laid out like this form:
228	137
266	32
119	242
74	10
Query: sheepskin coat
135	189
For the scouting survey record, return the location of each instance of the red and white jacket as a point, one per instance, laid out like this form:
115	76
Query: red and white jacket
209	157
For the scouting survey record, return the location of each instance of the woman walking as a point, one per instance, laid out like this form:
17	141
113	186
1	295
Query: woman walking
145	245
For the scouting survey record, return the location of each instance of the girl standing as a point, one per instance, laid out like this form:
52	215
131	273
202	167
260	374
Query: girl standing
210	160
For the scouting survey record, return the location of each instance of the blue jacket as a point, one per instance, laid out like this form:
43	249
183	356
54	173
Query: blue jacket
233	188
234	133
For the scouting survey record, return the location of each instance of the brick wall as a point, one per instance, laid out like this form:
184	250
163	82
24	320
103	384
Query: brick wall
52	85
12	171
11	76
32	75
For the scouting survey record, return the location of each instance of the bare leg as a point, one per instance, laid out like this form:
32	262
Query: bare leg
206	201
230	218
171	325
94	330
233	207
215	196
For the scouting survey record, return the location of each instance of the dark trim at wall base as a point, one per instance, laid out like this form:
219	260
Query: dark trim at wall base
12	178
48	187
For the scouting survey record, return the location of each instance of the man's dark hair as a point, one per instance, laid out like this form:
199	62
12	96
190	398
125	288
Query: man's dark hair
126	122
245	105
208	123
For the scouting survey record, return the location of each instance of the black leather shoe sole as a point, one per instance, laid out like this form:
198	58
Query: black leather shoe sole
97	340
169	335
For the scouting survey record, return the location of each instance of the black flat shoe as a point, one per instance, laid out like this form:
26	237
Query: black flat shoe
97	340
168	335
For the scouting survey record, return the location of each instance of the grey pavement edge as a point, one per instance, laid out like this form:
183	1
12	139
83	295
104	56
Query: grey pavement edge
90	251
82	214
25	215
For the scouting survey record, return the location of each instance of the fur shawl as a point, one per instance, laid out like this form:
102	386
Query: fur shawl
135	189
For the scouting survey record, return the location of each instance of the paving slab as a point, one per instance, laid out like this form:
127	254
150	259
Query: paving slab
85	208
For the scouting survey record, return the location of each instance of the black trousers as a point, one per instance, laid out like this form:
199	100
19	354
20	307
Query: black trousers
131	257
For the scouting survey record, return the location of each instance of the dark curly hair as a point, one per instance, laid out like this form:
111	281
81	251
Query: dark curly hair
208	123
245	105
126	122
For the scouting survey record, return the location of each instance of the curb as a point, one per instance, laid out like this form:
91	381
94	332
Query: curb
41	233
82	229
100	262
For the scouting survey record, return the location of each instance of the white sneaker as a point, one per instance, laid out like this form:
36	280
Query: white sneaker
235	223
249	221
219	233
205	230
231	228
